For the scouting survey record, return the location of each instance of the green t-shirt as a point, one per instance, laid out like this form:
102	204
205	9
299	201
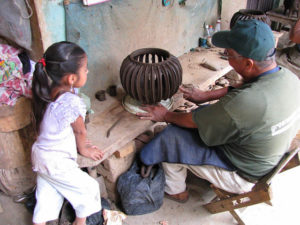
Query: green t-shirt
255	124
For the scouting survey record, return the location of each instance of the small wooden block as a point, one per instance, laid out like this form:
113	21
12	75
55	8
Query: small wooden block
126	150
15	117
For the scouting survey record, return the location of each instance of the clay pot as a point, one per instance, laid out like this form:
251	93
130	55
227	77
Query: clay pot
150	75
247	14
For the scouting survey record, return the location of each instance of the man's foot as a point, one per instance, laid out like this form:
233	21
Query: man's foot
180	197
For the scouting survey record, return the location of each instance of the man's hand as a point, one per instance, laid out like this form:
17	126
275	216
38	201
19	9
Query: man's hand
193	94
153	112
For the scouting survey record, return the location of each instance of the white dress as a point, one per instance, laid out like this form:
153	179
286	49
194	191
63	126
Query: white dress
55	148
54	159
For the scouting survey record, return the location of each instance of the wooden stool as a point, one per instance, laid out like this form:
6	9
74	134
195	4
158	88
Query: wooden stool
16	139
260	193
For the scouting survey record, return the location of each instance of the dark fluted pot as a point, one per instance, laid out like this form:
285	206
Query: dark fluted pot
150	75
247	14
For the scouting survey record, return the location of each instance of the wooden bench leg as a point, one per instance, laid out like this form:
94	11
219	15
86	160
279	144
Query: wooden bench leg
237	217
269	203
229	202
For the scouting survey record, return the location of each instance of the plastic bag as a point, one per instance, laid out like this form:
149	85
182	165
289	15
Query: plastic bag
141	195
15	23
68	214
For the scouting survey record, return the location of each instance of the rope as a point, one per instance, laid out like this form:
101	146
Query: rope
20	8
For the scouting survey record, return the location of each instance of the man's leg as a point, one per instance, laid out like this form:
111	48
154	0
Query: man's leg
226	180
175	178
175	187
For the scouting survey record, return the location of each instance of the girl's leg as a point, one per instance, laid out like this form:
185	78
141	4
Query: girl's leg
79	221
49	202
81	190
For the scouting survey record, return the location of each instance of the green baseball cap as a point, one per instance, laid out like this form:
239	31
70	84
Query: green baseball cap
250	38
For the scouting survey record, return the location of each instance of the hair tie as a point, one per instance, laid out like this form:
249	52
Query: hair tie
42	60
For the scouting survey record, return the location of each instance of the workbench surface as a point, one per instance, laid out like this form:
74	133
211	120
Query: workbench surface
277	15
130	126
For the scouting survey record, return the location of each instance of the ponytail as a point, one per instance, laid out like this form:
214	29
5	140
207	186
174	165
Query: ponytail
60	59
40	93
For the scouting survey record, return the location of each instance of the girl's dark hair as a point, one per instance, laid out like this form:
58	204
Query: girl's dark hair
60	59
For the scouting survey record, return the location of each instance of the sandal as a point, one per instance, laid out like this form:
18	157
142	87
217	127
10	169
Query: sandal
182	197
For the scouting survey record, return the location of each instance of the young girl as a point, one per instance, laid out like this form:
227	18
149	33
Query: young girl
59	118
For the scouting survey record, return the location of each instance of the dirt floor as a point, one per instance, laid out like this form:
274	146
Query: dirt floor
285	207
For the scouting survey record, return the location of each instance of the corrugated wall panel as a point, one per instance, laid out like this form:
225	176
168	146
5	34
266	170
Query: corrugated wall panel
263	5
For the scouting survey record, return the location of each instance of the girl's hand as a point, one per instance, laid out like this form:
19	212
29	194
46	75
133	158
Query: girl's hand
95	153
92	152
193	94
153	112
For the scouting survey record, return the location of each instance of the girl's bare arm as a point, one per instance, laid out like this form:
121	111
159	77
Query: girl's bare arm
83	147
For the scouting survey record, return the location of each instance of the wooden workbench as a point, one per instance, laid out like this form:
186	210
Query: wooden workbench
130	126
278	16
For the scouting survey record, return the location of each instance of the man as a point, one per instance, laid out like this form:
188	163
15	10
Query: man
243	136
290	56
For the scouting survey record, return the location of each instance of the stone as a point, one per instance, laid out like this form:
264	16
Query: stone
113	167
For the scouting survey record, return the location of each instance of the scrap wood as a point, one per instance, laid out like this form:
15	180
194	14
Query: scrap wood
212	64
120	117
186	107
112	217
126	150
208	66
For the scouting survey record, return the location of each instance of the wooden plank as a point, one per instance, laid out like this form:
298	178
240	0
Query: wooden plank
239	201
223	195
126	130
195	73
